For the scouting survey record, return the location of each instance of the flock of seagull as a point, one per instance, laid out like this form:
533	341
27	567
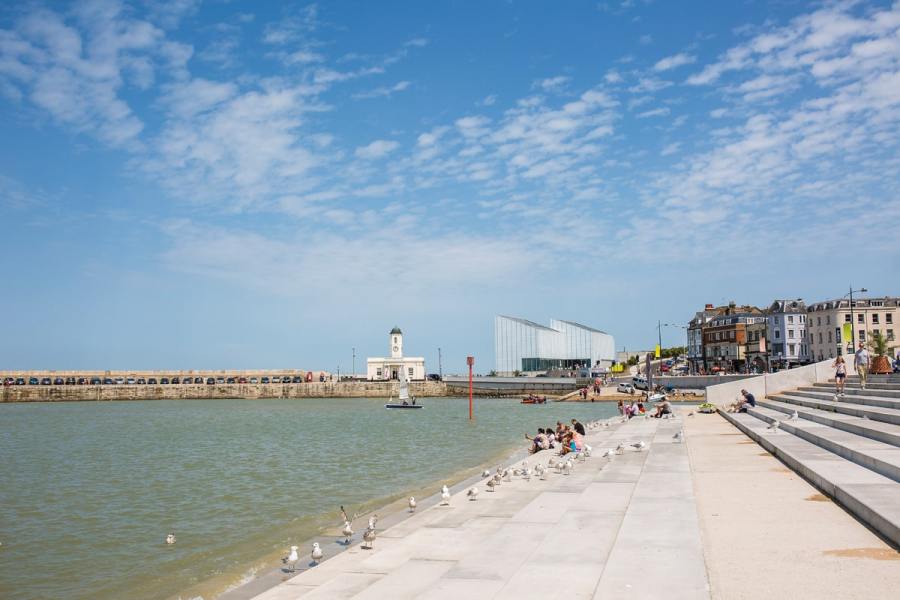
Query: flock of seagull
563	465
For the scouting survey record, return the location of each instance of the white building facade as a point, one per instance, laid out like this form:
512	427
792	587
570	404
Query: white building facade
786	334
523	346
395	366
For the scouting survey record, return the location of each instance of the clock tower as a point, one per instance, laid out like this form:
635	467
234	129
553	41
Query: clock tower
396	343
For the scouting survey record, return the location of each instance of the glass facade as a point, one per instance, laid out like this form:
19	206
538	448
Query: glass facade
526	346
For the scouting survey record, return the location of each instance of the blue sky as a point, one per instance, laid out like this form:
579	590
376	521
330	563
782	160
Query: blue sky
216	184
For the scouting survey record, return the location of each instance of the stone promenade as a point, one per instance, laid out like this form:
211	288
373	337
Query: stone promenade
714	517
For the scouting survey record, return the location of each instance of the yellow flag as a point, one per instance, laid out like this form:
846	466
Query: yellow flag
847	332
658	351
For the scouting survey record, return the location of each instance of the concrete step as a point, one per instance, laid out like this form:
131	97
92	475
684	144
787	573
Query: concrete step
875	430
882	458
854	389
870	497
850	395
876	413
869	386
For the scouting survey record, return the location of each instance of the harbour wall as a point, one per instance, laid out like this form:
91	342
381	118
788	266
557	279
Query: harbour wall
248	391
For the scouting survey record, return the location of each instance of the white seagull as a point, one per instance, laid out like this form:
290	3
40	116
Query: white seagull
485	474
445	496
638	445
540	471
773	426
472	493
567	467
412	504
794	416
608	453
170	539
587	450
292	558
347	532
316	553
369	533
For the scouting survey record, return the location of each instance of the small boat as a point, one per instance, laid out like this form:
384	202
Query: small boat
403	399
532	399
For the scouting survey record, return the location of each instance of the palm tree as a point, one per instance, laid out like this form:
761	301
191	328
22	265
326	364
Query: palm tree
879	345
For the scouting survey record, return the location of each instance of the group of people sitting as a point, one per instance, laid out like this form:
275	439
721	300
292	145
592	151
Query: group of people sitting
565	438
634	409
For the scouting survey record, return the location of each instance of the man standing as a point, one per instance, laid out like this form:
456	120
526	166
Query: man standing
861	359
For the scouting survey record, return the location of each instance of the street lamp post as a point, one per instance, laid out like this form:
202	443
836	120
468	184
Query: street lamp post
353	374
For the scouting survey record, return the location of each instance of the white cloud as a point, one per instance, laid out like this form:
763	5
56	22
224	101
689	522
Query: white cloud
670	149
612	76
383	91
674	61
377	149
417	42
551	84
656	112
489	100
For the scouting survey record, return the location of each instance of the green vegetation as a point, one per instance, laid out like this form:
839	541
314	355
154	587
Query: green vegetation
878	344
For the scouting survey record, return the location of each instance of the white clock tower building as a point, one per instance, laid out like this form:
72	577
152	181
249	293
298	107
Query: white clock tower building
396	366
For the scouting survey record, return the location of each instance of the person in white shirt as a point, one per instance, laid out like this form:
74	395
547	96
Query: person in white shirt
861	361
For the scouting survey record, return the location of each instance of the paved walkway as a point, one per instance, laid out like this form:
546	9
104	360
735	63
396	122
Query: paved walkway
623	528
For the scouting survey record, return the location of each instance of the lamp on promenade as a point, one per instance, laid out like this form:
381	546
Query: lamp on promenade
470	360
852	323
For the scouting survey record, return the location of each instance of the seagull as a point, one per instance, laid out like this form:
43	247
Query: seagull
412	504
472	493
620	448
316	553
292	558
608	453
526	473
794	416
485	474
507	475
496	479
678	436
170	539
445	496
567	467
551	463
347	532
490	485
369	533
638	445
773	426
587	450
540	471
866	417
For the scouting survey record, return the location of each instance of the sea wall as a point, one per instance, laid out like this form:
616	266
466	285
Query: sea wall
344	389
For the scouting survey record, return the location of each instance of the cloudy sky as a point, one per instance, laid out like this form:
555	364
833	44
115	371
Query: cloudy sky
225	184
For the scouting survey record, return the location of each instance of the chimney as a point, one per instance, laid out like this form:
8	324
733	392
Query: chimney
709	307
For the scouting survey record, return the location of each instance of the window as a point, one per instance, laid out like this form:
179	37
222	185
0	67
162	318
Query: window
831	354
890	335
829	337
847	318
818	320
820	337
837	334
777	334
790	318
791	349
889	318
875	318
860	318
861	335
828	319
378	373
410	372
790	333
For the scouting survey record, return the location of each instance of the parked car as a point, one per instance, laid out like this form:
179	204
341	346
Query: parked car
198	380
33	381
70	381
625	388
210	381
639	382
254	380
130	381
297	379
220	380
151	381
276	379
59	381
9	381
264	380
108	381
164	381
96	381
20	381
120	380
242	380
176	380
46	381
434	377
231	380
141	381
82	381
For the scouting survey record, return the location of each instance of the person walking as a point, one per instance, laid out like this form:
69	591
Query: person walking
840	374
861	362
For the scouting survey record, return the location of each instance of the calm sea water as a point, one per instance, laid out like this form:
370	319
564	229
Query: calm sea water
89	490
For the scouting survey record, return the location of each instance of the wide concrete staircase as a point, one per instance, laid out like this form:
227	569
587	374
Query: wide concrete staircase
848	447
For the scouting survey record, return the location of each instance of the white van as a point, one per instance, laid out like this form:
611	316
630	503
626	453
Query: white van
639	382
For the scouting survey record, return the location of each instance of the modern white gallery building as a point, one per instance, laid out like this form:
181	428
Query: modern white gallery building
528	347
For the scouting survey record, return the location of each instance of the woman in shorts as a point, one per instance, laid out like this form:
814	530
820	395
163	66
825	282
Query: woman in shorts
840	373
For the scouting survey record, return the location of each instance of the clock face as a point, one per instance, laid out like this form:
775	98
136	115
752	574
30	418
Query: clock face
396	348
